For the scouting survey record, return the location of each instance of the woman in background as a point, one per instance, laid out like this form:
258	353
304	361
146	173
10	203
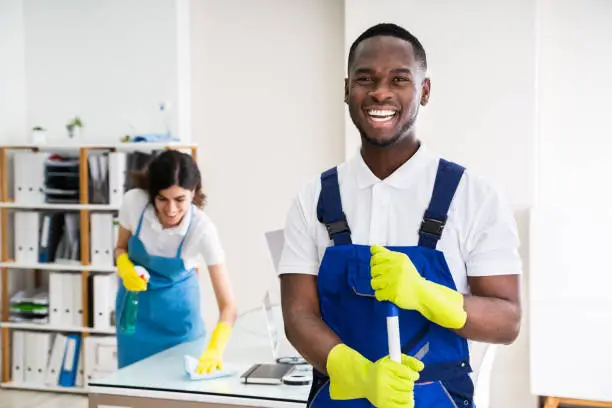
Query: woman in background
163	229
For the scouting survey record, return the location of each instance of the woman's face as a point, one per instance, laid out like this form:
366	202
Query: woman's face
171	205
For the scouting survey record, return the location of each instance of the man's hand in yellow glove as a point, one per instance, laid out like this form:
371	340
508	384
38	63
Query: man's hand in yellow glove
395	279
127	272
212	358
385	383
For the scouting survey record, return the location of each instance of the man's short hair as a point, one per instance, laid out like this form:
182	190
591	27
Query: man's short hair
390	30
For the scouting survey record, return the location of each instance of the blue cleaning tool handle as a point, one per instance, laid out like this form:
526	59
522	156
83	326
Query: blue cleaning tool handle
392	310
393	332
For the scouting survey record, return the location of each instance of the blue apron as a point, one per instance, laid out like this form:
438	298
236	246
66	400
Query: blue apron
349	308
168	311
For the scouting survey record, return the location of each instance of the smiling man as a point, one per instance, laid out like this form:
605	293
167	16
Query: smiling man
396	224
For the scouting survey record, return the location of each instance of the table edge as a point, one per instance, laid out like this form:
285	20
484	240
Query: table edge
194	396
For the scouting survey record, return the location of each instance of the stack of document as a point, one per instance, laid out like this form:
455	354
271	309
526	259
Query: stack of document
30	307
62	179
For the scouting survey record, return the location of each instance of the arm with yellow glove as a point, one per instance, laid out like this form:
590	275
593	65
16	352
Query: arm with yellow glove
126	270
212	356
385	383
396	279
491	313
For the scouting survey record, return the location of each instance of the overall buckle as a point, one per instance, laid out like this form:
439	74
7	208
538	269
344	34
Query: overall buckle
337	227
432	226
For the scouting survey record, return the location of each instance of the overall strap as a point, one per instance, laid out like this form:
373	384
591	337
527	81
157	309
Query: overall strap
329	209
180	247
447	179
140	220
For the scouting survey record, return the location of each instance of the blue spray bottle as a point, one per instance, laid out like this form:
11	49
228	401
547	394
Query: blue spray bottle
129	310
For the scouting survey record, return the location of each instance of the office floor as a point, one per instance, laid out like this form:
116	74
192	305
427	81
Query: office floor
31	399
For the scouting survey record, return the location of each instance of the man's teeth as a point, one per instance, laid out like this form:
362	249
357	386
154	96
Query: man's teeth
381	115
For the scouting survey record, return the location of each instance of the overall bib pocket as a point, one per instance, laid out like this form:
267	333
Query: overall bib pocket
359	278
433	394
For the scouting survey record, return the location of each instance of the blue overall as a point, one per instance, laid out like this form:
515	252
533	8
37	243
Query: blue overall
349	308
168	311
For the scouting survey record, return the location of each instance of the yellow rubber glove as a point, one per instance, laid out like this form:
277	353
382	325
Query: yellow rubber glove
395	279
212	358
126	271
385	383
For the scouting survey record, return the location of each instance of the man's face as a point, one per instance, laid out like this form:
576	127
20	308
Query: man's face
384	89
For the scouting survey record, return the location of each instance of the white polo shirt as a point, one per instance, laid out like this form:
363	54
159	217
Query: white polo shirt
480	237
202	245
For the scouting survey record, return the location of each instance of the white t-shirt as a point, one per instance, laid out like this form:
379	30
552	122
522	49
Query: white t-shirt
480	237
201	245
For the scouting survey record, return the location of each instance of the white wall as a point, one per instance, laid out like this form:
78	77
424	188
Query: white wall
267	111
574	101
12	72
110	62
481	113
570	274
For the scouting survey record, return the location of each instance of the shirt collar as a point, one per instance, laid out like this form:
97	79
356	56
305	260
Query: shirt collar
180	229
401	178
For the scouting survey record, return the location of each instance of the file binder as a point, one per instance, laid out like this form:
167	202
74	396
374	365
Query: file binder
68	249
104	293
41	353
26	236
18	357
102	244
37	348
69	312
29	177
98	178
56	299
117	162
45	239
80	372
55	360
76	286
70	362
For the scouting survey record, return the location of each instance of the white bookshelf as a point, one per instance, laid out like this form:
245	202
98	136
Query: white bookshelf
116	147
54	328
84	266
42	387
59	207
55	266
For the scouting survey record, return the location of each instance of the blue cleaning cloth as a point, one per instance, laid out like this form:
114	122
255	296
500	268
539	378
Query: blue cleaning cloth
155	137
192	363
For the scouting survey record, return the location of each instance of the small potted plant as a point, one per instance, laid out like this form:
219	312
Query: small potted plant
74	128
39	135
